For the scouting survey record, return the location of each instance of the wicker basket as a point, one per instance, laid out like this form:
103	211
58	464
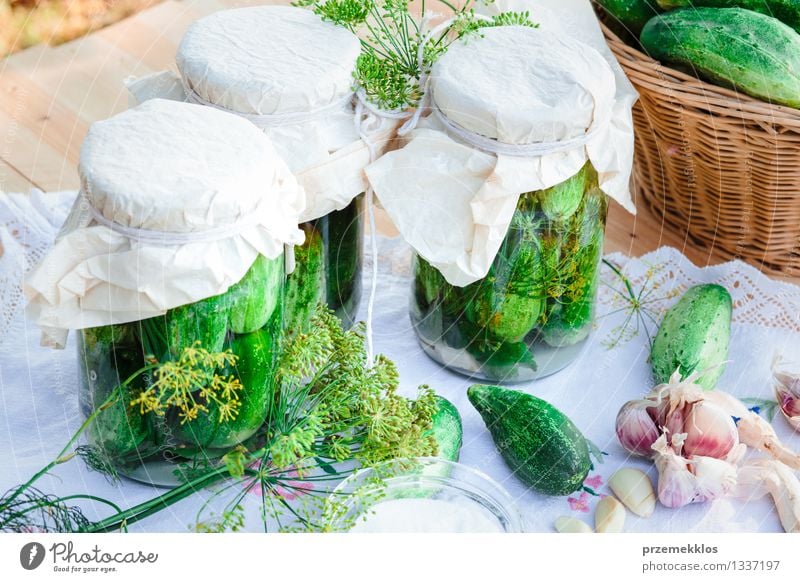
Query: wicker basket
719	166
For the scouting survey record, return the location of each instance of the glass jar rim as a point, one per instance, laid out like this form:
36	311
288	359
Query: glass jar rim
408	474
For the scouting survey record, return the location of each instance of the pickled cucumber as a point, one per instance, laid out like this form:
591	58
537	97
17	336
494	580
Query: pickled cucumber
254	298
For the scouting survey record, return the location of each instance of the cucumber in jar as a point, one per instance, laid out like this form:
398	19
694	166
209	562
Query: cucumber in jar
510	299
165	337
342	235
253	299
110	355
305	286
561	202
570	310
256	354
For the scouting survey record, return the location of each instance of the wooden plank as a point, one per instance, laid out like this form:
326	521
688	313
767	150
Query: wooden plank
91	85
11	180
40	112
142	41
32	156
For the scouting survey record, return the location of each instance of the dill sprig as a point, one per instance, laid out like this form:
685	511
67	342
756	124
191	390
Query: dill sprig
389	69
642	307
332	415
190	383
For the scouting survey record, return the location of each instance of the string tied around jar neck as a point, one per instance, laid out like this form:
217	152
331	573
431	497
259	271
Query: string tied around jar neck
486	144
270	120
166	238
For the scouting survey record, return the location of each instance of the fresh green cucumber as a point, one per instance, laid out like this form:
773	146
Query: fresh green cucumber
787	11
253	299
255	369
694	336
344	248
542	447
447	430
561	201
109	356
734	47
630	16
165	337
305	287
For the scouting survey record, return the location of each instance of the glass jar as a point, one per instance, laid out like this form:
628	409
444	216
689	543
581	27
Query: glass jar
422	495
295	84
532	313
327	268
148	446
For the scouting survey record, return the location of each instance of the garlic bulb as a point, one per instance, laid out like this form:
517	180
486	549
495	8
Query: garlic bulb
679	408
695	445
787	391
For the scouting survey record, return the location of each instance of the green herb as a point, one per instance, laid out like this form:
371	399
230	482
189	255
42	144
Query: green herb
389	68
642	307
332	415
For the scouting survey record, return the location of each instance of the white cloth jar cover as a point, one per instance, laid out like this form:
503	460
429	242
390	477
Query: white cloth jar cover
291	74
514	110
177	201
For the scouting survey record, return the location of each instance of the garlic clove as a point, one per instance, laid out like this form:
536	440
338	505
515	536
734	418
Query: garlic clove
677	486
714	478
565	524
636	430
634	489
710	431
768	476
609	516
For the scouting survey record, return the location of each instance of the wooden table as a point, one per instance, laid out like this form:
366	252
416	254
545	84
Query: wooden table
50	96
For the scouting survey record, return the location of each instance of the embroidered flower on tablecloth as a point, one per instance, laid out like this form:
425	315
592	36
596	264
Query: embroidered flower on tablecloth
580	503
595	482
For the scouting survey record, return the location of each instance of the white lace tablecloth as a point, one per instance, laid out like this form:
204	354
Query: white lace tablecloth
38	387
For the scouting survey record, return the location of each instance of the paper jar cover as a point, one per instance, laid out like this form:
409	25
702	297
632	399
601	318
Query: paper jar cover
273	64
203	193
452	201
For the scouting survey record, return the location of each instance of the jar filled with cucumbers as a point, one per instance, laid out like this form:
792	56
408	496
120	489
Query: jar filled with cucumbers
532	313
507	212
171	268
290	73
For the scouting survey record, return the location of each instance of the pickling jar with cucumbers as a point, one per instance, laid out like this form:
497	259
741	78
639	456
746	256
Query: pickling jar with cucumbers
290	73
527	134
171	269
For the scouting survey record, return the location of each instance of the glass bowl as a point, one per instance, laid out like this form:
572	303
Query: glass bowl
422	495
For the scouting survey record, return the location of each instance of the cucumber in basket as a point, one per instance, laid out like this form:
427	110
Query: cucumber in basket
732	47
787	11
629	15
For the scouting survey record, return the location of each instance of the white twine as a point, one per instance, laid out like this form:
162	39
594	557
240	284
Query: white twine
268	120
476	140
171	238
522	150
370	121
